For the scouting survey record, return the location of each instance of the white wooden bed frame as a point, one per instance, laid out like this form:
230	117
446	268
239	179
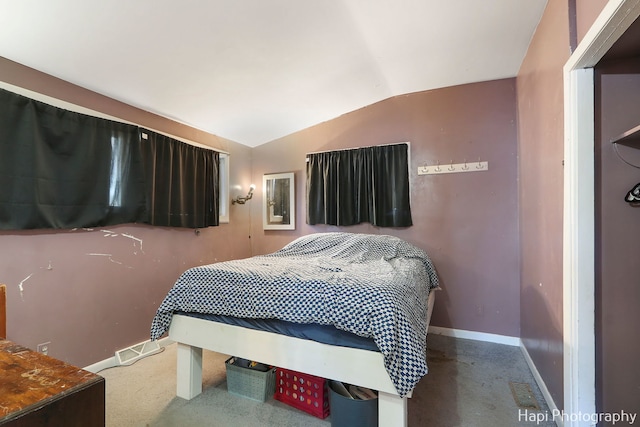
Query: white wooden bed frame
354	366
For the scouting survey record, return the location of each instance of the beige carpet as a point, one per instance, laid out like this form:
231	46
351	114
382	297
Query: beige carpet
144	394
468	385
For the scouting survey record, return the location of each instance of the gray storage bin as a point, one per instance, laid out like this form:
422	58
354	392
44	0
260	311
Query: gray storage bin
347	412
246	382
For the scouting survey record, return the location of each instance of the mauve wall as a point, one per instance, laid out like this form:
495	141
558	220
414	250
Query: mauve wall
467	222
586	14
618	242
92	292
541	152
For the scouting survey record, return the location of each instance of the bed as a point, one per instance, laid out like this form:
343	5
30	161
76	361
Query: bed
375	287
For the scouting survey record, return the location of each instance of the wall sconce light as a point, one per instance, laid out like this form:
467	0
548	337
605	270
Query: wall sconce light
242	200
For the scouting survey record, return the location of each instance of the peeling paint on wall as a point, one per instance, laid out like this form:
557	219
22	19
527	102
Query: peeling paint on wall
109	233
21	287
105	255
21	284
110	256
135	239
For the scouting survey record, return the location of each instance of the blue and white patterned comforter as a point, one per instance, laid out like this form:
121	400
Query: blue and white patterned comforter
374	286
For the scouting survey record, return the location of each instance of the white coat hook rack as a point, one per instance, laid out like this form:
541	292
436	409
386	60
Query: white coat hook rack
478	166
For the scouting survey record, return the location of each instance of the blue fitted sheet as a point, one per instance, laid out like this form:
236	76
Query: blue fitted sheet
325	334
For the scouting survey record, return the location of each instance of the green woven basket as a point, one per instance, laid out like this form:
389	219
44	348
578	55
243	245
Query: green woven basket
249	383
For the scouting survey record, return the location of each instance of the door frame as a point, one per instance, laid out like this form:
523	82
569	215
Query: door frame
579	204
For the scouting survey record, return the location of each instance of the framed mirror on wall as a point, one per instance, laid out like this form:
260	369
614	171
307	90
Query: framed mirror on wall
278	207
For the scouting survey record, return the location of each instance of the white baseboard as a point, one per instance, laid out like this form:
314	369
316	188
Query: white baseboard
507	340
473	335
102	365
543	387
113	361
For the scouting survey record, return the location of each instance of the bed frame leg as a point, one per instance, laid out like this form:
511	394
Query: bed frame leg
189	371
392	410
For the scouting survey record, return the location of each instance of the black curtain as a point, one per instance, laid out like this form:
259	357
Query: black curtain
56	165
369	184
182	182
61	169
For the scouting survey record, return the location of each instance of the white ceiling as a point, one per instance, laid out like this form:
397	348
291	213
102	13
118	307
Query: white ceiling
255	70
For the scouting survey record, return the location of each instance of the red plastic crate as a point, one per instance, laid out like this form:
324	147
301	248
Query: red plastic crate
302	391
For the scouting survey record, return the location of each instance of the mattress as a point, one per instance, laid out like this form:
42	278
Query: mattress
325	334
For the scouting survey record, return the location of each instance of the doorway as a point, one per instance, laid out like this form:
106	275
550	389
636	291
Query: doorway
579	240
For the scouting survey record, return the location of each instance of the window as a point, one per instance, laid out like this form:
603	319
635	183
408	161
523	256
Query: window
63	169
369	184
115	173
181	182
223	180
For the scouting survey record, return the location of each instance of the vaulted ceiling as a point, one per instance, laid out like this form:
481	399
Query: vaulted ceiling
255	70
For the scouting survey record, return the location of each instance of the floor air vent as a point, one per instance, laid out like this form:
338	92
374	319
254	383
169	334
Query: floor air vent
523	395
130	354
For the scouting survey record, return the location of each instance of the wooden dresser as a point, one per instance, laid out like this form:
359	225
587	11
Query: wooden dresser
38	390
